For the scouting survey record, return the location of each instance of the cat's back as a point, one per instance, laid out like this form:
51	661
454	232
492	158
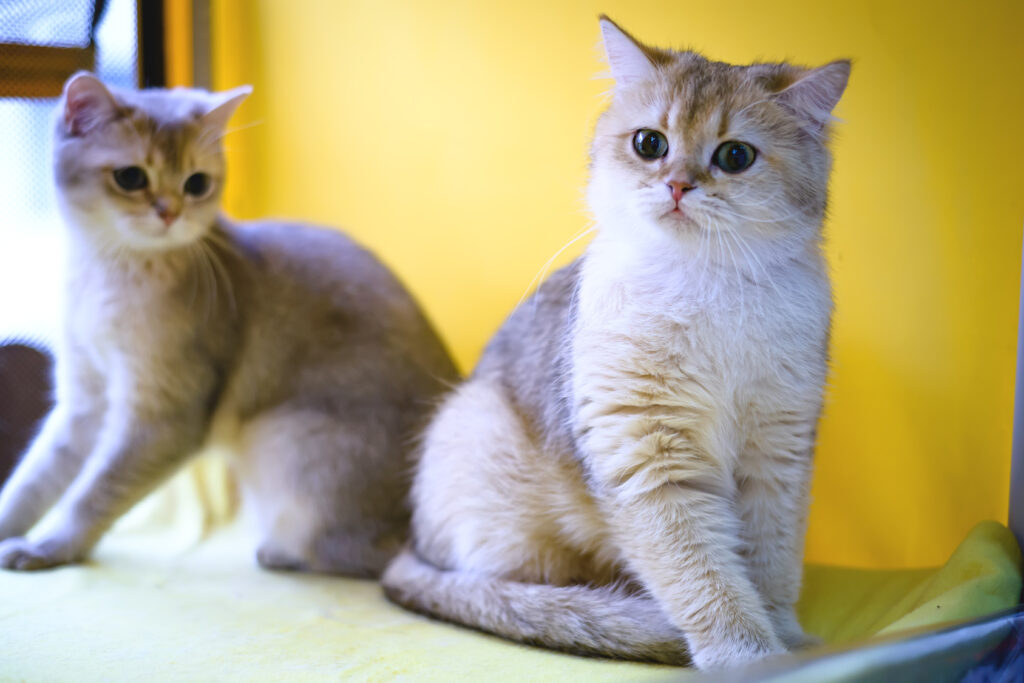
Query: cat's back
320	258
324	275
314	294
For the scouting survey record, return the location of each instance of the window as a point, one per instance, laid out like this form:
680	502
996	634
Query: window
31	230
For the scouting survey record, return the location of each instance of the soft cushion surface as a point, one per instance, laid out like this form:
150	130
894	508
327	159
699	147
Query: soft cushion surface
173	593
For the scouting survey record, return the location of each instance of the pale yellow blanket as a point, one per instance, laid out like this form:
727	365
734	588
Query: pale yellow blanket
173	593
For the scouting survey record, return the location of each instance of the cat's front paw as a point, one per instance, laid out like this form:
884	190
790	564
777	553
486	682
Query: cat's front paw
270	557
717	658
801	641
791	633
730	652
21	554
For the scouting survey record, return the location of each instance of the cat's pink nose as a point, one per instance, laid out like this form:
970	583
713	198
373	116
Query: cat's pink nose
679	188
166	213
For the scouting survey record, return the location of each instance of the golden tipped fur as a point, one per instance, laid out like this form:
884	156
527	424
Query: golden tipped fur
626	472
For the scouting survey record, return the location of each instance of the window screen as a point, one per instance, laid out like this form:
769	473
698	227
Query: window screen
31	233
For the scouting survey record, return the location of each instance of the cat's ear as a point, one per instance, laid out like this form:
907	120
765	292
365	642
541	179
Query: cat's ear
628	59
87	103
223	105
816	92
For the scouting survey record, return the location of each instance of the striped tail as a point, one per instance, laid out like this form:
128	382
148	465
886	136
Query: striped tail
601	621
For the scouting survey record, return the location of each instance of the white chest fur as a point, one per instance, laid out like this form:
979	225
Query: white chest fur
716	354
119	310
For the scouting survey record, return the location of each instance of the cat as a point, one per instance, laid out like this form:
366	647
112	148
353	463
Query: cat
626	471
290	345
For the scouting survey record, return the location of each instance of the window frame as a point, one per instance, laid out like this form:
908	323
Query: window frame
40	71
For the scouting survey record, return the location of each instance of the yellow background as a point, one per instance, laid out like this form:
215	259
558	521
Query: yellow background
451	137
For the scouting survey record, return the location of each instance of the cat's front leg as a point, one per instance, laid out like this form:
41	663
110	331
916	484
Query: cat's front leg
134	454
774	476
47	468
670	503
55	456
681	541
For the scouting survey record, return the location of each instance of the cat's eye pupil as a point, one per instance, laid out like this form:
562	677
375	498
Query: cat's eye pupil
650	144
130	178
733	157
197	184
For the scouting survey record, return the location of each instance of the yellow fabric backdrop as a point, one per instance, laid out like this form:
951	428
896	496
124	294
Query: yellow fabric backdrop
451	137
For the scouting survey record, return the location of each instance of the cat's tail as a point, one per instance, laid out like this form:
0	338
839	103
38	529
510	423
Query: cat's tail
587	620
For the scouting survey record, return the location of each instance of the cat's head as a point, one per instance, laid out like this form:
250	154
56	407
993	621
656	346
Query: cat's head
709	155
141	169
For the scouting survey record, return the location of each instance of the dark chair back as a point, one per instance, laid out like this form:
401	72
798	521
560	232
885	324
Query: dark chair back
26	394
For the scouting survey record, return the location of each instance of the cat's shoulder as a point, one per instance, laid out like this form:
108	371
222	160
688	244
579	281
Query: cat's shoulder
537	329
559	287
319	261
289	244
289	237
550	305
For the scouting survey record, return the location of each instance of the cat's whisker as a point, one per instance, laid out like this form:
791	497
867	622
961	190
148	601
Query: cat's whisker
758	202
728	213
226	246
209	282
745	192
217	136
757	267
704	255
737	260
209	279
766	273
715	258
220	269
723	210
739	218
539	277
193	257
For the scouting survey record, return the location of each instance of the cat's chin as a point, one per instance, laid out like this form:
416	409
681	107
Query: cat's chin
681	222
159	238
150	244
678	216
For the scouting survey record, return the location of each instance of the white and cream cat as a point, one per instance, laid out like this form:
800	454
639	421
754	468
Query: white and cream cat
291	345
626	472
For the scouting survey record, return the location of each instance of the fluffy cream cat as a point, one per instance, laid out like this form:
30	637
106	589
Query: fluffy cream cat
626	473
290	345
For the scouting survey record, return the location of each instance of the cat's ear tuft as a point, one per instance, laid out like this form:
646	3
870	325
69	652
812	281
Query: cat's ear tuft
816	93
87	103
223	105
626	57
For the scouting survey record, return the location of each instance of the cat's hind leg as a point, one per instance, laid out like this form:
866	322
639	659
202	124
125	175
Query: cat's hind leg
328	491
501	530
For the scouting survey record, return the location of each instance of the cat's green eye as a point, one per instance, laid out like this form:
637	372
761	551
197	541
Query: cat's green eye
650	144
197	184
733	156
130	178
